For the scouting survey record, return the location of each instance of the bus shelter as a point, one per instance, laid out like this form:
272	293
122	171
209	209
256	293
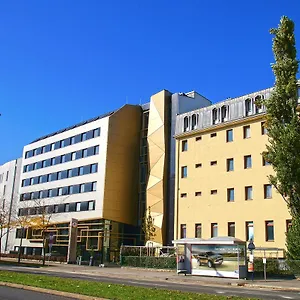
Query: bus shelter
219	257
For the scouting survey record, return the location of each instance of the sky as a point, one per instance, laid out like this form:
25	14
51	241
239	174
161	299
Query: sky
65	61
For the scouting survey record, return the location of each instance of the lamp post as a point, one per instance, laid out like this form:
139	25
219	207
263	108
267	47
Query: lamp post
251	247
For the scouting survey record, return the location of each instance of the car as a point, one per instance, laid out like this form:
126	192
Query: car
209	258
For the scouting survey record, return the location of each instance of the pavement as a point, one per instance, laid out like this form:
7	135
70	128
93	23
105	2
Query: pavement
154	275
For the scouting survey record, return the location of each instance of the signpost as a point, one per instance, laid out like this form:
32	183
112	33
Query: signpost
251	247
265	268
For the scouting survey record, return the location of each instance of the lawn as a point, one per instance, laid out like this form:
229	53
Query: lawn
105	290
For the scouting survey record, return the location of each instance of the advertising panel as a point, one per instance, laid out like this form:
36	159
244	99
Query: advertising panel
217	260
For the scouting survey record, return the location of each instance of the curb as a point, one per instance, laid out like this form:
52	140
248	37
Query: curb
51	292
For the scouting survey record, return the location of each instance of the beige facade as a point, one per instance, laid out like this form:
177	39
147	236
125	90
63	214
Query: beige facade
212	200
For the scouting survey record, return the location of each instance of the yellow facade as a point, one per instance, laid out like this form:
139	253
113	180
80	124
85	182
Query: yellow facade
211	181
158	146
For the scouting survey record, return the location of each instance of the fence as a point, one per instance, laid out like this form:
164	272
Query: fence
148	257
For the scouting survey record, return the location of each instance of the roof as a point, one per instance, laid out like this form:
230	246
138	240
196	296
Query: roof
74	126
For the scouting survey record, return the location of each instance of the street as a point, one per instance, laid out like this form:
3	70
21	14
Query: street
186	287
8	293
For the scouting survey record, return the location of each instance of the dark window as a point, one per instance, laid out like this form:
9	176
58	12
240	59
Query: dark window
35	180
78	205
94	168
288	225
213	163
35	195
96	150
96	132
63	158
26	182
198	138
184	146
67	207
52	176
43	149
44	194
90	134
64	174
263	128
86	169
39	165
68	157
47	148
229	135
57	160
84	153
75	172
198	231
265	162
213	134
267	191
90	151
231	229
53	192
57	145
213	192
184	172
83	136
77	138
230	164
246	131
80	170
230	195
72	206
183	231
248	193
183	195
91	205
61	208
73	155
198	165
65	190
94	186
198	194
30	167
247	162
84	206
269	231
66	142
78	154
55	209
249	231
214	229
44	178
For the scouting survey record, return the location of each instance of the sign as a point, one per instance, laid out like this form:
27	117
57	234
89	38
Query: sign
264	260
250	267
251	246
251	258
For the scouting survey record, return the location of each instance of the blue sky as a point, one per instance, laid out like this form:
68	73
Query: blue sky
64	61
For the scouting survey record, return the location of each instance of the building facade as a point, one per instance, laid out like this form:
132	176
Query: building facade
9	183
222	186
87	172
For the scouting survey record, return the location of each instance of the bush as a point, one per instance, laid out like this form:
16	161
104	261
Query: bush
149	262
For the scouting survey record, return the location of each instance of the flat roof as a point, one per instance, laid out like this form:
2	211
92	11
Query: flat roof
74	126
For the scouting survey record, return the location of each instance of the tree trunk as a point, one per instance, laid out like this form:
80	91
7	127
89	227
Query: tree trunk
44	250
20	246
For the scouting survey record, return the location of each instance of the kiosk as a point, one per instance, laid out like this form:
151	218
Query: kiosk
219	257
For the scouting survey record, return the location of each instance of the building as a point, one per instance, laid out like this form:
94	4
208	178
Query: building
222	187
87	172
9	182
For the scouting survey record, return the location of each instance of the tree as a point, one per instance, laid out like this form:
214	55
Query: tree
4	221
283	123
148	226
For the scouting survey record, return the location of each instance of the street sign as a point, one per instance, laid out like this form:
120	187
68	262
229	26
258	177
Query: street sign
264	260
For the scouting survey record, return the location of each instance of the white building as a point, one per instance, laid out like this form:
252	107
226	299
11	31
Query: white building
9	183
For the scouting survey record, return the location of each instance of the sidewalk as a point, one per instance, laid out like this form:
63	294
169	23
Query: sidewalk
171	276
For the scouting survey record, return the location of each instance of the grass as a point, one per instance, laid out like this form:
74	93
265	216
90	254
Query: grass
105	290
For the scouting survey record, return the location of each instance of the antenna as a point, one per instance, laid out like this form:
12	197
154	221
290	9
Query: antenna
140	101
126	100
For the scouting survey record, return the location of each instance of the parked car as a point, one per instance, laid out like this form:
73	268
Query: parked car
209	258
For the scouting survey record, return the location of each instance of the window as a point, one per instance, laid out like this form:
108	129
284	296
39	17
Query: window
229	135
265	162
214	116
247	162
86	169
214	229
90	151
52	146
288	225
185	124
96	150
198	230
183	231
84	152
230	195
269	231
91	205
79	154
184	146
59	175
7	174
72	140
248	107
96	132
67	207
183	195
230	164
197	194
57	160
80	170
213	192
57	145
246	130
4	190
35	180
198	138
231	229
184	172
78	206
84	137
249	231
77	138
94	186
194	121
60	191
263	128
213	163
63	158
248	193
55	209
198	165
267	191
73	155
213	135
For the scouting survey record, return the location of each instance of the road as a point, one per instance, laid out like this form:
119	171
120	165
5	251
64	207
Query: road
8	293
186	287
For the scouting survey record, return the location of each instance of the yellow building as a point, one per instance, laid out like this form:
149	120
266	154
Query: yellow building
222	186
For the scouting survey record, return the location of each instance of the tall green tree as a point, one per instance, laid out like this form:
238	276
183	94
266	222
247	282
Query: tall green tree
283	123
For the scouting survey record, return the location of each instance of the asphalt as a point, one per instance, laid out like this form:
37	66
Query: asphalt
270	289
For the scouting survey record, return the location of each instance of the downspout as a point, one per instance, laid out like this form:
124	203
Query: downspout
177	189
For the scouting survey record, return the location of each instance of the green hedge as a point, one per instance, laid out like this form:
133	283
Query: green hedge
294	266
149	262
